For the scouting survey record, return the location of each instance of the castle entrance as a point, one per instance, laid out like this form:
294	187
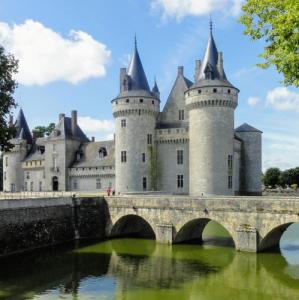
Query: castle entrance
55	183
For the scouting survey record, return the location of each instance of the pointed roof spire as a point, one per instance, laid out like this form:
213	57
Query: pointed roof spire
211	24
136	72
155	88
135	40
23	131
209	62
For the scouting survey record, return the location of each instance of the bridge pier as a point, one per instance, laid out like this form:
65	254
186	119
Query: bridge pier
164	233
247	238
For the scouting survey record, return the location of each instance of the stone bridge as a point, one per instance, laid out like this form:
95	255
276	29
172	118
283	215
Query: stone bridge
255	224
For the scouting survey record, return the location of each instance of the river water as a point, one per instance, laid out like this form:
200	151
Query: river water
145	270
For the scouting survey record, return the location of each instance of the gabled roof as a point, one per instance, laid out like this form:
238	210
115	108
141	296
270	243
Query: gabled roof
175	100
247	128
136	72
64	130
22	128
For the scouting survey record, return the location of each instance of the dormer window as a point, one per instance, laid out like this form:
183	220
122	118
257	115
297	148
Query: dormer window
208	72
102	152
79	155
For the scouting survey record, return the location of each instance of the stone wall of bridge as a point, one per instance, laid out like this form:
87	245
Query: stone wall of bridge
254	223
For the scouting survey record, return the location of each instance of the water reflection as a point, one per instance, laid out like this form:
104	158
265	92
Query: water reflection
142	269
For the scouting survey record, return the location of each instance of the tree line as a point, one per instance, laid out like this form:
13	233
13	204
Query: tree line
275	177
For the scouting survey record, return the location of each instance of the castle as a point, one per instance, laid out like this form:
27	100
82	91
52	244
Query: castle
190	147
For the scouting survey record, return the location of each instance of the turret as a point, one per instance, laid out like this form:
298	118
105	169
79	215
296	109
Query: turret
211	102
135	110
251	160
12	160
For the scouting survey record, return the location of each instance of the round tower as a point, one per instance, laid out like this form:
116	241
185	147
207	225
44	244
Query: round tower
12	166
13	180
211	102
135	111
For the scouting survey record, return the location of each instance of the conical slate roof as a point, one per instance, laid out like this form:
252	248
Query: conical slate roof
210	58
246	128
136	72
23	131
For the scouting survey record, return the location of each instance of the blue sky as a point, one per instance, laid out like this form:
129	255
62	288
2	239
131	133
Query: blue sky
70	53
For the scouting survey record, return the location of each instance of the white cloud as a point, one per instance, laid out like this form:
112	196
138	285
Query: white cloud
182	8
252	101
101	129
46	56
282	98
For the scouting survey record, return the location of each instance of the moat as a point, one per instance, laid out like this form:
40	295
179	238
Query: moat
144	269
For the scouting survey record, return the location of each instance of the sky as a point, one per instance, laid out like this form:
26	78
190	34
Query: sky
70	53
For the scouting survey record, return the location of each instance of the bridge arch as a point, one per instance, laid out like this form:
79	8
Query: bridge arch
272	238
192	231
132	226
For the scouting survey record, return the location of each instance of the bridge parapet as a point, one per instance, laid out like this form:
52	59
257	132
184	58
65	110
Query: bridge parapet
254	223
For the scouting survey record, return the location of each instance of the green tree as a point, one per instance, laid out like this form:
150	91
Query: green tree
8	68
41	131
1	172
277	23
272	177
289	177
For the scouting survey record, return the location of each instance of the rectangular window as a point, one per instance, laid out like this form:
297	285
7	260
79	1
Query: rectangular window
180	157
26	186
230	162
230	182
180	179
149	139
40	186
27	175
12	187
31	186
143	157
144	183
123	156
6	161
98	184
4	175
123	123
75	184
181	115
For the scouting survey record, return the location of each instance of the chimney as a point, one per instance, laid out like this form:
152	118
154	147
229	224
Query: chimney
197	69
10	122
92	139
180	70
61	116
74	122
220	65
35	134
123	73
